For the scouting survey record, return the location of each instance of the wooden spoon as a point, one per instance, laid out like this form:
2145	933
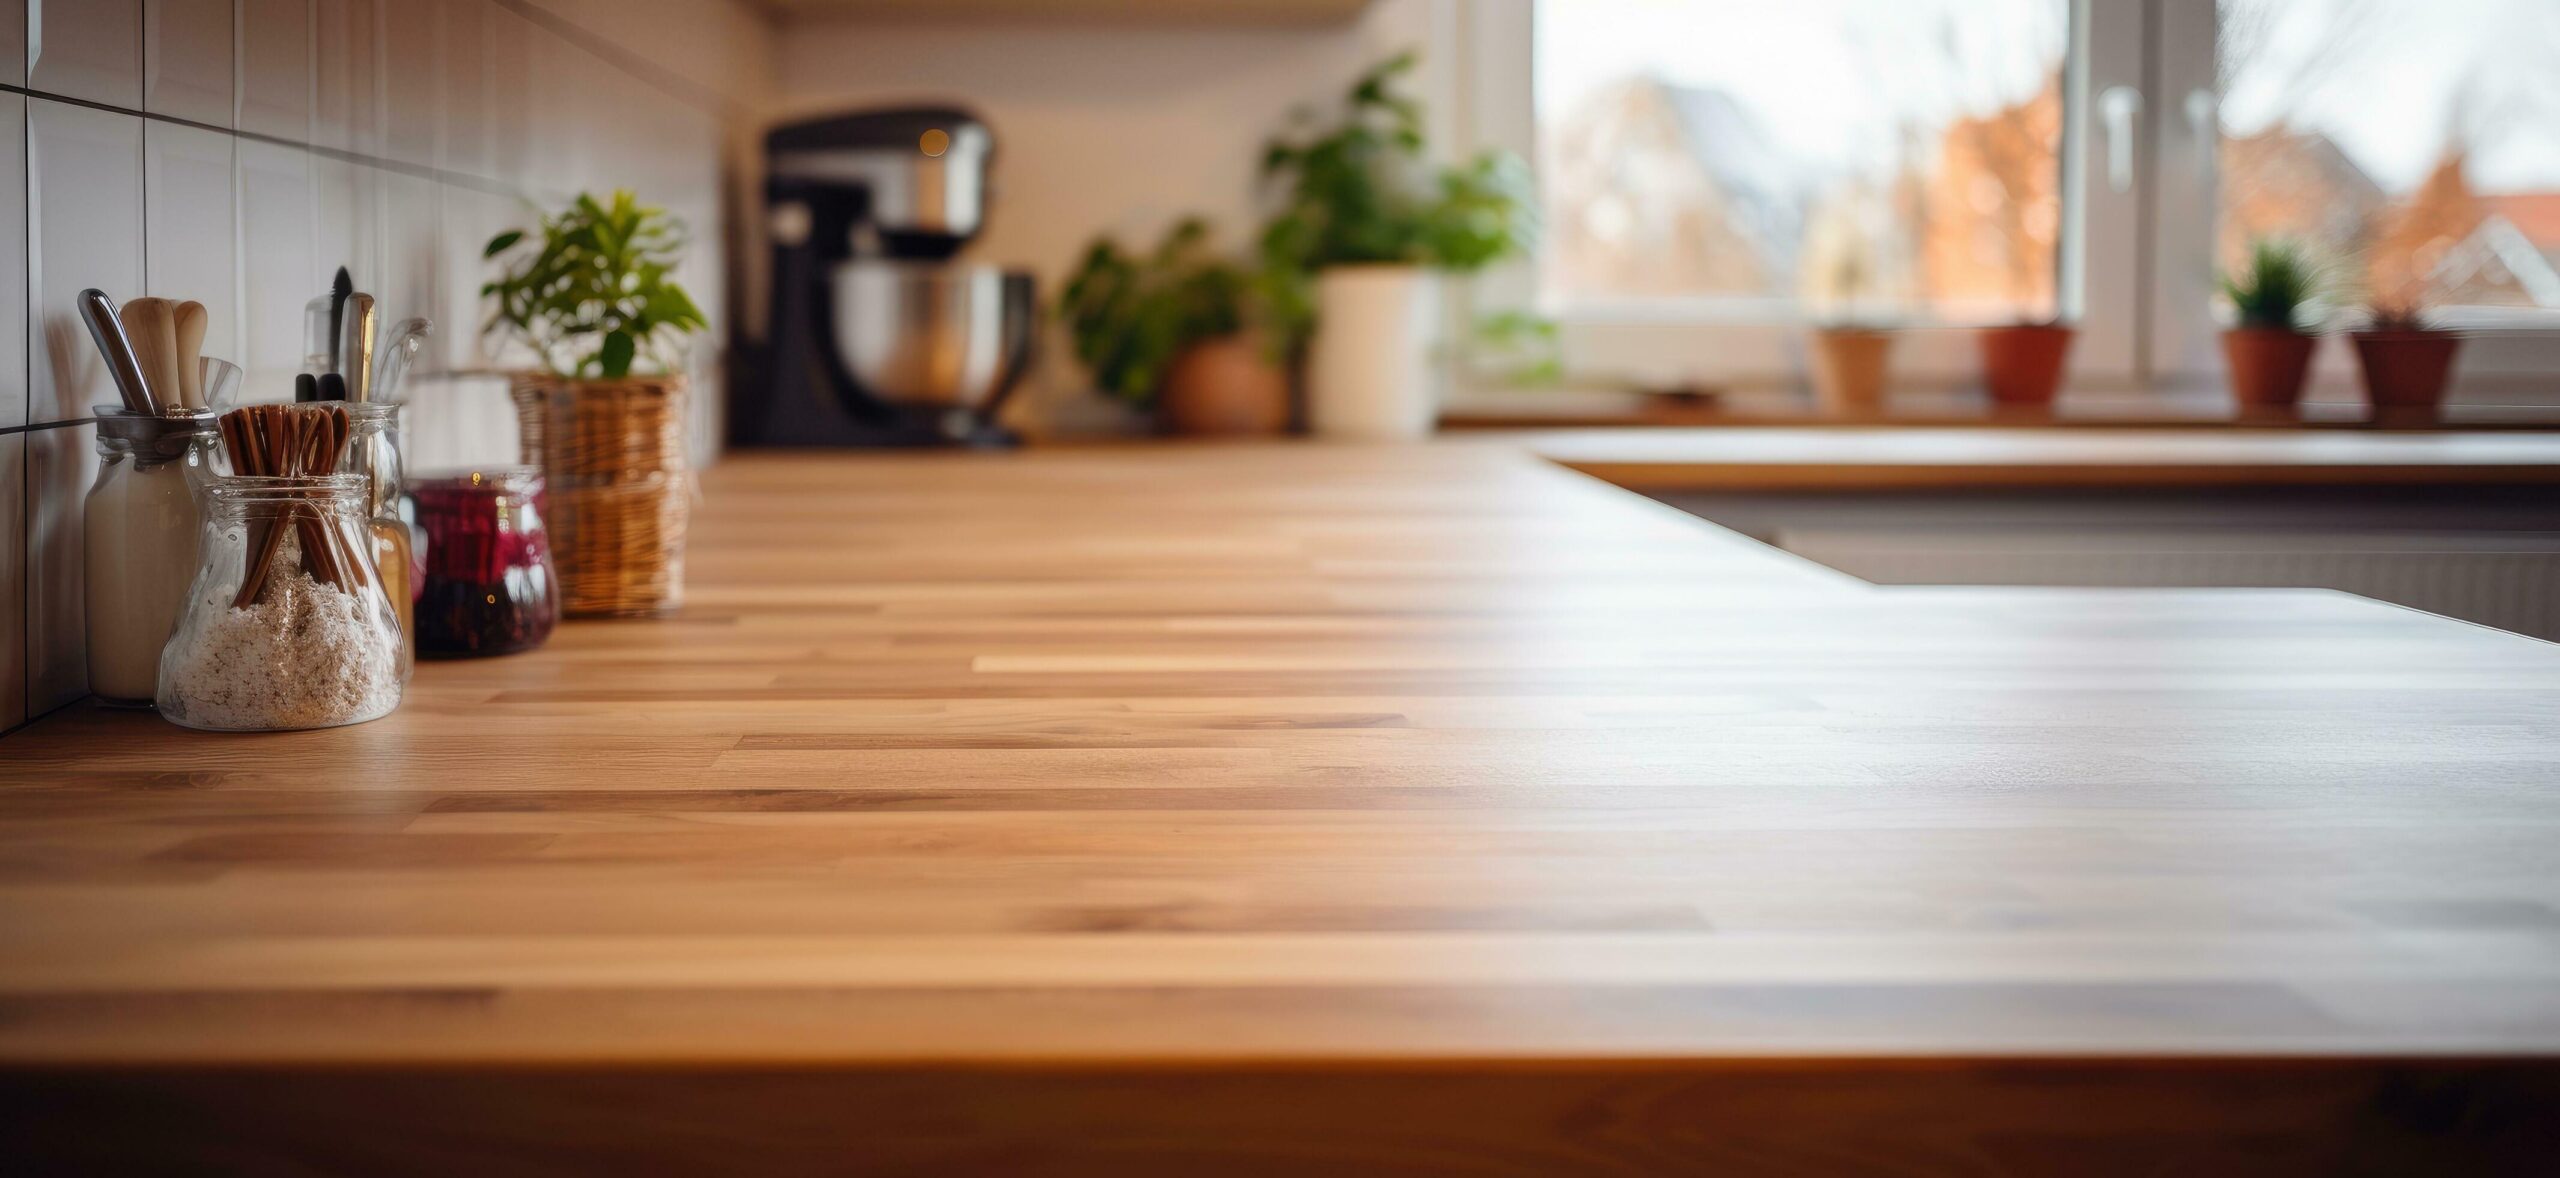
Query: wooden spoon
187	323
150	326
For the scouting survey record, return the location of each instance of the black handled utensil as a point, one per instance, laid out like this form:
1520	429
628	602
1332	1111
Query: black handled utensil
340	289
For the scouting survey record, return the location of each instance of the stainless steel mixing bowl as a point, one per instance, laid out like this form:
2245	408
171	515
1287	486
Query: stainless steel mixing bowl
932	334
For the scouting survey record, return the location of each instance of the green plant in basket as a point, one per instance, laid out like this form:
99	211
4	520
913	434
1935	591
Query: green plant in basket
591	291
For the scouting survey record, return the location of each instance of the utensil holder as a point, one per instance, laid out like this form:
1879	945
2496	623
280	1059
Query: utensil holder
620	491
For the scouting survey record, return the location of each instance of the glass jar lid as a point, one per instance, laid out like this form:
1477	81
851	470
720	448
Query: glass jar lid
151	438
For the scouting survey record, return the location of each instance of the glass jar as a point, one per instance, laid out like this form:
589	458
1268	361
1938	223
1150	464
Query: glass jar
373	450
490	586
284	624
139	528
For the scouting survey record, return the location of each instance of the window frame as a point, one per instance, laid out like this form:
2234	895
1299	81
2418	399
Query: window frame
2135	275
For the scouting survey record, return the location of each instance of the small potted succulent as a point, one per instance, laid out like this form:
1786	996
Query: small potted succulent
1174	330
1362	229
1851	351
2267	347
590	293
2406	363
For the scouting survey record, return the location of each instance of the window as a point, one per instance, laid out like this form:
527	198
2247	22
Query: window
1845	158
2415	144
1716	174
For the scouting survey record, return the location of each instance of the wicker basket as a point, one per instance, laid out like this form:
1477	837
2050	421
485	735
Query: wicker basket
620	495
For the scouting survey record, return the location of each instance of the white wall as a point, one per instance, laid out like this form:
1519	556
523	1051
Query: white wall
1104	127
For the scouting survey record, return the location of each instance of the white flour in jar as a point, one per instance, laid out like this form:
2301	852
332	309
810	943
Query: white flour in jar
141	525
309	656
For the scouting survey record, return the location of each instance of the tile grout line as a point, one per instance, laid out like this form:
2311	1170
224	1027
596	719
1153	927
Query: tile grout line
490	185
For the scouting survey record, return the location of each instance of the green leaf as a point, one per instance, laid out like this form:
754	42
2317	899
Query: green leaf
616	355
600	272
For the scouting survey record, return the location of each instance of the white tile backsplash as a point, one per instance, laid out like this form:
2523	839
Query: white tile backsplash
512	39
275	68
182	170
61	463
89	49
344	222
189	251
471	218
13	585
187	59
412	40
13	261
346	102
84	206
276	268
464	93
13	42
409	281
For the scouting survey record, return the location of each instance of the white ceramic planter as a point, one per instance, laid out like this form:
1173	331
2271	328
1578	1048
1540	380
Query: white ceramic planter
1369	373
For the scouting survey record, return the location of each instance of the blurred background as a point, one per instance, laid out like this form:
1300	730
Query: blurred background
1664	213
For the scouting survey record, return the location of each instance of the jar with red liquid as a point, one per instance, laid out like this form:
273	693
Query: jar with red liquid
490	587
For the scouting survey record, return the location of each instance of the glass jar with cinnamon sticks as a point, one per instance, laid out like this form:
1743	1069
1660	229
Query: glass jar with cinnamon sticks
285	624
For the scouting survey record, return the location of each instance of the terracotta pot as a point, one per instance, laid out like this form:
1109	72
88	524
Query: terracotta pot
2406	369
1224	387
2022	364
2268	365
1849	370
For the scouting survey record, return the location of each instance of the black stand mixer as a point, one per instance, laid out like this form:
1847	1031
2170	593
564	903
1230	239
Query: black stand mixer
878	337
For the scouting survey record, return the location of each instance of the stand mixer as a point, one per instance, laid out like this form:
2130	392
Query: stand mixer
880	338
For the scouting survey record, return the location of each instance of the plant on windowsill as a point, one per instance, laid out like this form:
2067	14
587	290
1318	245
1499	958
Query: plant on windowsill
2023	363
1362	224
590	292
1851	345
2267	348
2023	360
2406	363
1177	330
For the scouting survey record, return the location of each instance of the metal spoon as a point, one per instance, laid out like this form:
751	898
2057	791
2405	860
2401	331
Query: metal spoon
107	331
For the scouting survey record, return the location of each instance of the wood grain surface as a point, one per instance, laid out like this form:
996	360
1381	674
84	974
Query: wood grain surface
1285	808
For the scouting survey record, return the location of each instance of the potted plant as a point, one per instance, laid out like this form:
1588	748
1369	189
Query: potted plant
1363	215
2022	363
2406	363
2267	349
590	293
1851	351
1170	331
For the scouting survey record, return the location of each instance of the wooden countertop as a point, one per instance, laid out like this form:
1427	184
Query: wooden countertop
1413	809
1884	458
